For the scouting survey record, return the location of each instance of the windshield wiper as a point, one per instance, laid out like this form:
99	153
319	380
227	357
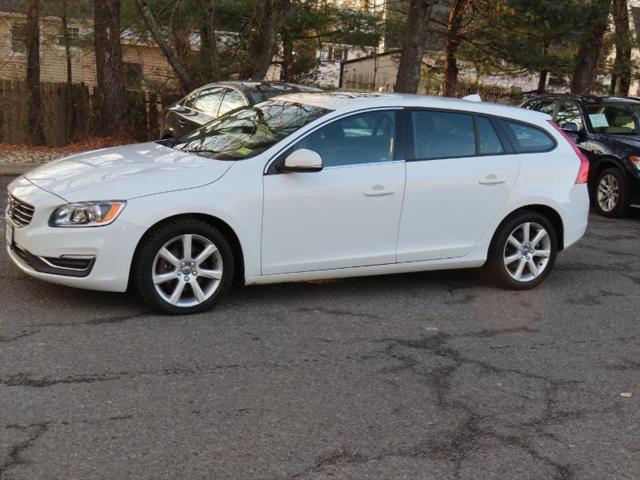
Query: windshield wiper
200	150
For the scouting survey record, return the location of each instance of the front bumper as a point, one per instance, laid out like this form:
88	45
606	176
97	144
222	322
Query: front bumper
95	258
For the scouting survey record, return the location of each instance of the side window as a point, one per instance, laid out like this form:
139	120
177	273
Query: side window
528	139
547	106
442	135
488	141
232	100
209	101
569	113
363	138
530	105
190	101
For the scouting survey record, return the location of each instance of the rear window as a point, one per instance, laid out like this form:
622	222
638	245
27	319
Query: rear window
527	138
488	141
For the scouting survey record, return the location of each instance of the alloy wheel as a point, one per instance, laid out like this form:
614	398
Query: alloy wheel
608	193
187	270
527	252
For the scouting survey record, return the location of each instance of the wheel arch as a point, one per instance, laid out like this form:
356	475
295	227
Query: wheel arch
221	225
601	165
548	212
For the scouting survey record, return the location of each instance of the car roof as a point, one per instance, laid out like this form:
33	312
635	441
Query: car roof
588	99
253	86
350	101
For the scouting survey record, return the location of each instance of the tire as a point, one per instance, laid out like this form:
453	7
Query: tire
610	194
505	259
174	283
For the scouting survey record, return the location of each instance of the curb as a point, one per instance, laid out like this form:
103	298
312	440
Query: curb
17	168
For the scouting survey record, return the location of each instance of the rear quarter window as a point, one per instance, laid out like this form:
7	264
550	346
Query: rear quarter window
527	138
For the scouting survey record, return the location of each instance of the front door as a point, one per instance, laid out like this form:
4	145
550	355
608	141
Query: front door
346	215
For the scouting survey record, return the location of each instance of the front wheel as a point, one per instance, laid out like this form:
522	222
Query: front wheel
182	267
523	251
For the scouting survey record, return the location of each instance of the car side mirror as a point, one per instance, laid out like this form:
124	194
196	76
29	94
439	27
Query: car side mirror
570	127
302	160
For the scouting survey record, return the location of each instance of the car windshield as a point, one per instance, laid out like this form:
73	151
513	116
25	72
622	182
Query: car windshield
613	119
248	131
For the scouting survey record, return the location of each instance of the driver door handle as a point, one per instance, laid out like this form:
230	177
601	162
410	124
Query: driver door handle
379	191
491	180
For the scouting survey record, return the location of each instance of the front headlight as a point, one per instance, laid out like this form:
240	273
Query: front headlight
89	214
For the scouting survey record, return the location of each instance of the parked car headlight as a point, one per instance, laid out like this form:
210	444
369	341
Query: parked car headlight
89	214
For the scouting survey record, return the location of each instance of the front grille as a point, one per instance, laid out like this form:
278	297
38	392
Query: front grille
19	212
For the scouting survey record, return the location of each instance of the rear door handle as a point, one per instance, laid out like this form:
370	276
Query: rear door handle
379	191
491	180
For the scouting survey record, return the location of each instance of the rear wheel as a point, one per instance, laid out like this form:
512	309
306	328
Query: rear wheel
183	267
610	193
523	251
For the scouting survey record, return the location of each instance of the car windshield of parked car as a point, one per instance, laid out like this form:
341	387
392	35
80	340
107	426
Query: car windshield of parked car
249	131
613	119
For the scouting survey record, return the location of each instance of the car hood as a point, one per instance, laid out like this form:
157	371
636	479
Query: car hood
632	141
122	173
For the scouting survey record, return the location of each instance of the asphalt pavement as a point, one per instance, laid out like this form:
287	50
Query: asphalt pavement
434	375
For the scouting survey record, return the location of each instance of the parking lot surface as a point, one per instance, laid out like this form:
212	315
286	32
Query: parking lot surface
425	376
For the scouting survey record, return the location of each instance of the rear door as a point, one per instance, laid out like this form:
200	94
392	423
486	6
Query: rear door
460	171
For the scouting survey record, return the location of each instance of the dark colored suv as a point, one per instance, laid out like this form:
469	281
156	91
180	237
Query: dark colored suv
214	100
607	130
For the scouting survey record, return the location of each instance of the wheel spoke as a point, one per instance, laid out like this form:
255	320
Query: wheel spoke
197	291
526	232
512	258
159	278
533	269
542	253
514	242
187	241
539	236
206	253
213	274
166	255
177	293
518	274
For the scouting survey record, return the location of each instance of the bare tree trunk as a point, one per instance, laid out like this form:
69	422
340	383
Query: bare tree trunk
287	57
208	41
266	43
585	72
409	70
542	81
70	104
109	69
152	24
544	73
454	35
36	120
622	66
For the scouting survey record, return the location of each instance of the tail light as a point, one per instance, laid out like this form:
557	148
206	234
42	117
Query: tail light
583	171
635	160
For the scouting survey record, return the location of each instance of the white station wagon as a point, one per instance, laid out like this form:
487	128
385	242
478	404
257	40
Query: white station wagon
302	187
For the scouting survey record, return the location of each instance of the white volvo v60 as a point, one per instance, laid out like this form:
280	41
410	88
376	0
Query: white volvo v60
302	187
